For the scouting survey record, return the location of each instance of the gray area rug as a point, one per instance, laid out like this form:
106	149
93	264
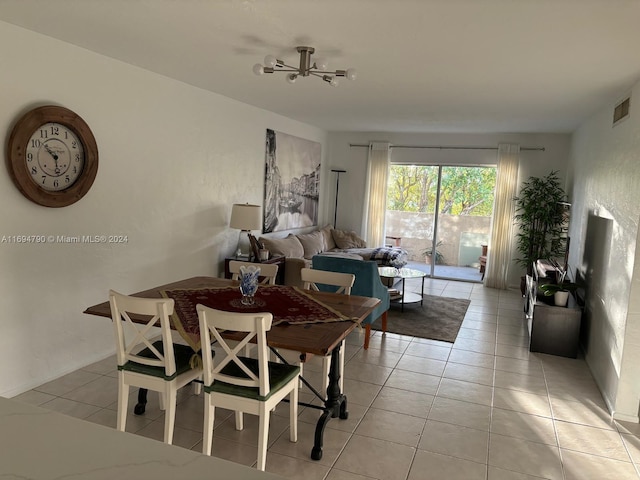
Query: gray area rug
438	318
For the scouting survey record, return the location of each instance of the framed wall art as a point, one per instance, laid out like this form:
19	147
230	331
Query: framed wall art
292	182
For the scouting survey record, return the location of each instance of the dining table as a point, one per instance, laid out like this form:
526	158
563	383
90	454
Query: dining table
309	322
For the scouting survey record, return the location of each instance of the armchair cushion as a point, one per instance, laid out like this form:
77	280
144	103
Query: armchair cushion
288	247
367	283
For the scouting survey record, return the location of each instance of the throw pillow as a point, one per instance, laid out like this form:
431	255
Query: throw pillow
329	242
288	247
312	243
346	239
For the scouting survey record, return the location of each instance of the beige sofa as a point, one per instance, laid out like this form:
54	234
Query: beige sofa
299	249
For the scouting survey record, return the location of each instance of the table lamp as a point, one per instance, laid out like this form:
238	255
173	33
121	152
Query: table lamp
245	217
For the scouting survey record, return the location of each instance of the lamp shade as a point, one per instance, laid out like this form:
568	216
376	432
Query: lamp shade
246	217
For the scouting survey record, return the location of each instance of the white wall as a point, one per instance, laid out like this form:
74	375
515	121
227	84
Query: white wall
173	158
604	229
354	160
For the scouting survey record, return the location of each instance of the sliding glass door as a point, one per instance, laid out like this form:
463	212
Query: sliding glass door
442	216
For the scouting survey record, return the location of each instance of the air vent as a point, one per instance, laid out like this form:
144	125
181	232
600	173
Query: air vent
621	111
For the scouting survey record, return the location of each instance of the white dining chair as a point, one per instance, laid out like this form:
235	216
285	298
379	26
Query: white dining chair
242	384
147	358
268	271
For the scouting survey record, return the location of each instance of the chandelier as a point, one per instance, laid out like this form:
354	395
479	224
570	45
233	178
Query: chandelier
317	68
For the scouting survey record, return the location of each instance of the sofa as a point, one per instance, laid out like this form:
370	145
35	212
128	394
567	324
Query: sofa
299	249
367	284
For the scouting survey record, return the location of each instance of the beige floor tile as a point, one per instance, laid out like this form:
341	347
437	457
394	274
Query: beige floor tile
455	441
389	343
232	451
34	397
427	350
434	466
103	367
392	426
67	383
466	391
376	458
181	436
508	339
70	407
477	325
101	392
495	473
362	393
374	356
469	373
591	440
424	365
581	466
461	413
415	382
513	351
356	413
520	401
333	443
249	434
472	358
366	372
632	442
585	413
336	474
524	426
478	335
295	468
108	418
517	381
532	366
403	401
526	457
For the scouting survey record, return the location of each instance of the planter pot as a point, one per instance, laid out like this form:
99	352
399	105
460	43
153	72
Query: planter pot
560	298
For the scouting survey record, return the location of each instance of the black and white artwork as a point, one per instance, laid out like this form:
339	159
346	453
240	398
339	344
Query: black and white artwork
292	182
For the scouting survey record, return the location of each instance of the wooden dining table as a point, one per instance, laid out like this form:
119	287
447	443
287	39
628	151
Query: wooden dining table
321	338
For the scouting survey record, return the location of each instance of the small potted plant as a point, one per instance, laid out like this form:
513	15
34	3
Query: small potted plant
559	290
428	253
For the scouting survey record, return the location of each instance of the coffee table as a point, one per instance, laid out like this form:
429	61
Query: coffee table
404	273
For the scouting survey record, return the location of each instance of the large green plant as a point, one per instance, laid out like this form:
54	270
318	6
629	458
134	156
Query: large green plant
539	216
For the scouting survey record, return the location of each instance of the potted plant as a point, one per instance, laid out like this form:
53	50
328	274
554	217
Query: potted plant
560	291
428	253
540	217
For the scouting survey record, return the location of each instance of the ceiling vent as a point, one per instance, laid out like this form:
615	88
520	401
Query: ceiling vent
621	110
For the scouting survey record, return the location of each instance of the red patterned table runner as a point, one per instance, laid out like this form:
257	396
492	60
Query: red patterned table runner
287	304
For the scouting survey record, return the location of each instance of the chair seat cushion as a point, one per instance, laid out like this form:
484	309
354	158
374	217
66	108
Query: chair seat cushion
279	375
182	354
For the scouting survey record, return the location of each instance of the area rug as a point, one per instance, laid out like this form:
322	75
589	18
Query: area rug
438	318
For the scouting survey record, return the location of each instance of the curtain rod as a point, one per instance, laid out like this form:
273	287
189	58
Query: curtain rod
444	147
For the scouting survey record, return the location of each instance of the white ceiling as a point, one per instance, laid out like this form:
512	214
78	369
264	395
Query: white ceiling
475	66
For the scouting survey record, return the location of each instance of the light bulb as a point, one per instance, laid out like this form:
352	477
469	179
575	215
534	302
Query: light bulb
351	74
270	61
258	69
321	64
334	82
291	78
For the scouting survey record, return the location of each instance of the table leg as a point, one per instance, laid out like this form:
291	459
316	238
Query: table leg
142	402
334	406
422	292
402	298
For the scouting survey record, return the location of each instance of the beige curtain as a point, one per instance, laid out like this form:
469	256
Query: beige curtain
375	201
502	229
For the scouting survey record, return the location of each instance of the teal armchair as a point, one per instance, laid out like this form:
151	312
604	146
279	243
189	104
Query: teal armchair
367	284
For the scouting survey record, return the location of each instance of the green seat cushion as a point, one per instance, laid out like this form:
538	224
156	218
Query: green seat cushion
182	354
279	376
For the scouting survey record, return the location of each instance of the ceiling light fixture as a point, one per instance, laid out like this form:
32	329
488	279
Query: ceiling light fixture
317	68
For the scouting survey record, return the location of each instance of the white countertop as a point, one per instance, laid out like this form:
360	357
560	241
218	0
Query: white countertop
40	444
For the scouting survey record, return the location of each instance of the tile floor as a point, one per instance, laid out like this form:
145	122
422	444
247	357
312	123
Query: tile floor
482	408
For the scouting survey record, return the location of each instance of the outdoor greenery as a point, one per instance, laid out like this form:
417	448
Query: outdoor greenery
464	190
540	217
439	257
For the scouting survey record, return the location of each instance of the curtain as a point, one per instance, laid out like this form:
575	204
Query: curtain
375	199
502	229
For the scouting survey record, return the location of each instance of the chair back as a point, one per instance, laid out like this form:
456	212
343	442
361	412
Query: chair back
367	283
140	336
313	278
212	323
268	271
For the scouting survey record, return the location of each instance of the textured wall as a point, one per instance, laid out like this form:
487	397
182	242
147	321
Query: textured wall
604	230
173	158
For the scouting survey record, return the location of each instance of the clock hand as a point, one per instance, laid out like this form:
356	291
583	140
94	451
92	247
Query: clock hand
53	154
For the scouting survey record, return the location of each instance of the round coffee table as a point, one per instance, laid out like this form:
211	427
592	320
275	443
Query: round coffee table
404	273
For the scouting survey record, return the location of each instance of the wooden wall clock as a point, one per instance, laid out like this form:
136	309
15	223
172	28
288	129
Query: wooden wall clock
52	156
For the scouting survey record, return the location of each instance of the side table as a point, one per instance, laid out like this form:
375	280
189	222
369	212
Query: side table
277	259
403	273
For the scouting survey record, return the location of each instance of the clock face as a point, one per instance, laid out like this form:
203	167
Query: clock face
52	156
55	157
